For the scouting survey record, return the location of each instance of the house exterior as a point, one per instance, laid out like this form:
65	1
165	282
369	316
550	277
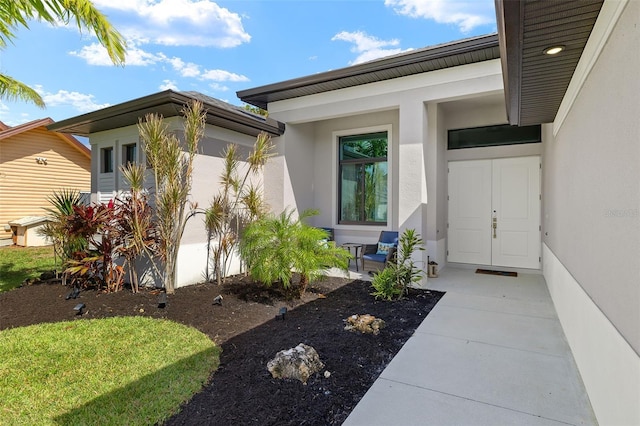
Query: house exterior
423	140
565	203
34	162
114	138
591	181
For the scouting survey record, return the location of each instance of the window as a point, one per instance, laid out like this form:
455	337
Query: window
107	160
129	154
493	136
362	179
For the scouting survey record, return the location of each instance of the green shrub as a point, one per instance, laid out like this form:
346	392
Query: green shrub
275	246
393	281
385	284
63	202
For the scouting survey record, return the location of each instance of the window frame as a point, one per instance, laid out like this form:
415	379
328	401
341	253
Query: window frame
107	153
125	152
338	163
503	135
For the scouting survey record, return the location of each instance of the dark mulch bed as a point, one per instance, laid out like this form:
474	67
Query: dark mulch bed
242	391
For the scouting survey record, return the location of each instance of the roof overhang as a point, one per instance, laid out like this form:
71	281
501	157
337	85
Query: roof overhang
535	83
168	104
461	52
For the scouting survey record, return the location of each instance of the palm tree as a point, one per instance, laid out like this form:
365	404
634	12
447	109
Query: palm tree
15	14
275	246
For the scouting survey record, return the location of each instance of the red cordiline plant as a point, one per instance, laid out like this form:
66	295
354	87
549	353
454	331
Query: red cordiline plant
98	225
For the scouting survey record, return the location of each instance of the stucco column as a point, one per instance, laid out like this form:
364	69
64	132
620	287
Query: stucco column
288	175
412	183
274	177
436	174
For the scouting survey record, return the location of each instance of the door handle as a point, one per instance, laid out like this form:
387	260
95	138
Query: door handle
494	224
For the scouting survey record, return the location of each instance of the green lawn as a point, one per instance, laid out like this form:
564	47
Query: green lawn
20	263
113	371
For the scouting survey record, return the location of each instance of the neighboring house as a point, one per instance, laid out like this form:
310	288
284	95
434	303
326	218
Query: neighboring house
114	138
564	194
421	140
34	162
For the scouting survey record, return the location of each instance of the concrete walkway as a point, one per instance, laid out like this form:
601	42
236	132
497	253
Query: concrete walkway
492	352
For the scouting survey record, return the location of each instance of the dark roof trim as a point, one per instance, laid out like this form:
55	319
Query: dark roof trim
461	52
169	104
510	53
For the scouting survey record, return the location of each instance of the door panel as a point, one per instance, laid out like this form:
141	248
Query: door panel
470	212
505	189
516	201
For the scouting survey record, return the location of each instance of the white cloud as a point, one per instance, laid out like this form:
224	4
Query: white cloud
79	101
465	14
169	84
178	22
186	69
219	87
96	54
221	75
368	47
189	69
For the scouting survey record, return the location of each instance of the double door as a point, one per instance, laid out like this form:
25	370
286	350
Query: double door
494	212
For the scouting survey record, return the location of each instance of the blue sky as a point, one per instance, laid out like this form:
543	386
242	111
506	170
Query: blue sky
219	47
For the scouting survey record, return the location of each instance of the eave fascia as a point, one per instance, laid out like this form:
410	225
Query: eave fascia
130	112
421	55
509	18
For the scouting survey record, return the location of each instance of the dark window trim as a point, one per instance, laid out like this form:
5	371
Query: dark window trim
103	159
363	161
504	134
125	152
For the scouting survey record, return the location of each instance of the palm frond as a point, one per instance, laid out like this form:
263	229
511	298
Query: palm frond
13	90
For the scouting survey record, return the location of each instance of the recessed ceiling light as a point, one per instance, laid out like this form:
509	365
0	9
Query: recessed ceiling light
553	50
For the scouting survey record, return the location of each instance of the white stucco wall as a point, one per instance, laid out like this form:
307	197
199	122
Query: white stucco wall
592	215
208	164
410	105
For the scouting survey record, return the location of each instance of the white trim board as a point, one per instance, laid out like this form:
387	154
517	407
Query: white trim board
609	366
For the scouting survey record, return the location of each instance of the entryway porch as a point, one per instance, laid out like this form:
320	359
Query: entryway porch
491	352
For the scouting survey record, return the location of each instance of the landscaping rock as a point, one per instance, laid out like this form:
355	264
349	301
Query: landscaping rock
48	275
366	324
298	363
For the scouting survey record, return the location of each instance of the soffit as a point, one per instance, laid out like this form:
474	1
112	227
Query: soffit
535	83
168	104
461	52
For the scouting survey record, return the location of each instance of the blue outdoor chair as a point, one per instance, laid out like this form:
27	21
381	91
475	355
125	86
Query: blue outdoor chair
376	256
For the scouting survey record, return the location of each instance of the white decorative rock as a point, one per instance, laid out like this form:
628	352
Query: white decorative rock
298	363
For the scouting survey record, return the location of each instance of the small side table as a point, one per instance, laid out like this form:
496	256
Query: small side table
357	248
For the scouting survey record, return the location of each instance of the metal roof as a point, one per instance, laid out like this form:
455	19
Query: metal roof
535	83
461	52
169	104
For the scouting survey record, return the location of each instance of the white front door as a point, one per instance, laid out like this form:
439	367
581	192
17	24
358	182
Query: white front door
494	212
470	212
